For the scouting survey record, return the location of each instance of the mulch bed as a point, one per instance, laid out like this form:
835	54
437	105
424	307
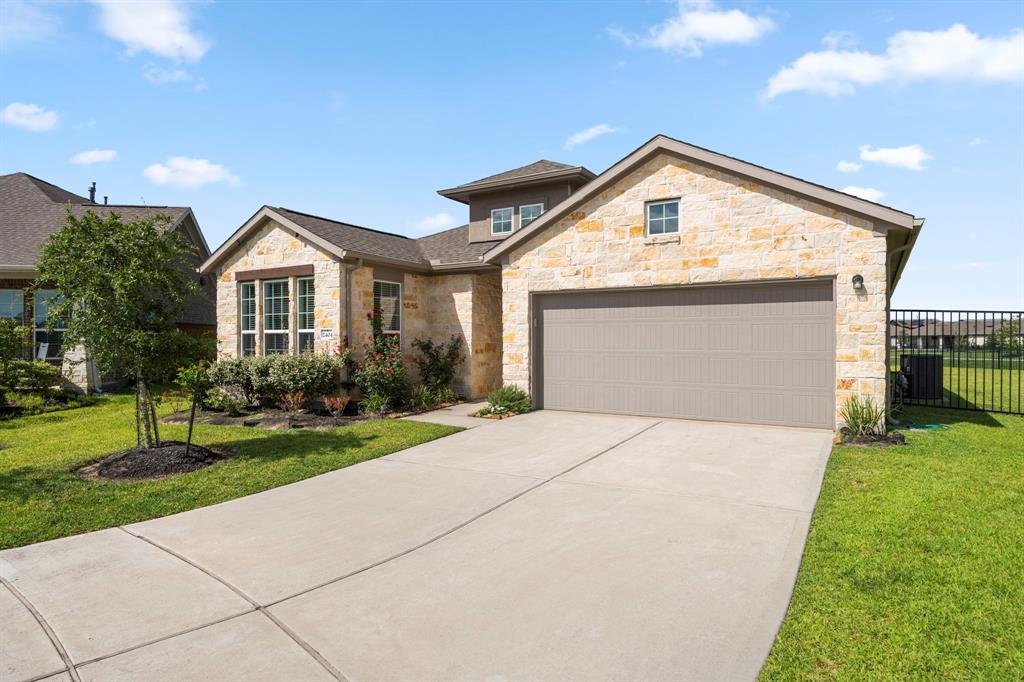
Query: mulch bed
891	438
137	464
281	420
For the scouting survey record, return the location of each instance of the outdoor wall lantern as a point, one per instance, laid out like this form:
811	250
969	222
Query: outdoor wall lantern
858	282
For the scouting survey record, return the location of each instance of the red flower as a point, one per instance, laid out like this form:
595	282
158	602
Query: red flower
388	370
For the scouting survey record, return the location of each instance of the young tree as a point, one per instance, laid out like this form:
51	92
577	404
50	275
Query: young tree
123	286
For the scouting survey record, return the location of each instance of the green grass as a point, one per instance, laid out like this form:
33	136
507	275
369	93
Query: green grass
978	378
914	567
41	499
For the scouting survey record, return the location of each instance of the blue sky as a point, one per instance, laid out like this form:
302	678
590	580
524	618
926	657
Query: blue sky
361	112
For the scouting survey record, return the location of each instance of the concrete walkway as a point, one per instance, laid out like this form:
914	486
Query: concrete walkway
547	546
456	415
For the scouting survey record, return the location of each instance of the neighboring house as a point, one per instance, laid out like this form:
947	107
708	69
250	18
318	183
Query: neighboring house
30	211
677	283
975	330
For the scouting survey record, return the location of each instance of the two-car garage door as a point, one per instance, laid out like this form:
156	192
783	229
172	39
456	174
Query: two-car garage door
759	353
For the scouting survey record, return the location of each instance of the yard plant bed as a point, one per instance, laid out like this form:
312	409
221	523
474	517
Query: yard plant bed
41	496
914	565
136	464
279	419
884	441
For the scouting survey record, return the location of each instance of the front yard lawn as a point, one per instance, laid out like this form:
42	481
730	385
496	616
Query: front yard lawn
41	498
914	567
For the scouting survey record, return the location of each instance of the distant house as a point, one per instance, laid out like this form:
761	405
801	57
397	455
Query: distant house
30	211
963	333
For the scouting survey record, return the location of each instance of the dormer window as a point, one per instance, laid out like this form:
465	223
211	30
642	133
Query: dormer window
501	220
529	213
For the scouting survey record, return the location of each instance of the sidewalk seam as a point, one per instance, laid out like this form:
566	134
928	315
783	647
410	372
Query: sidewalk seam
47	630
303	644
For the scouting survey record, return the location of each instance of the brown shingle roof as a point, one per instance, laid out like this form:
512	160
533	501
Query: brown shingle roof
542	166
538	171
364	240
452	246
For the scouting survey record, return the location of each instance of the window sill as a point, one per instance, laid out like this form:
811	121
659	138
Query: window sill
662	239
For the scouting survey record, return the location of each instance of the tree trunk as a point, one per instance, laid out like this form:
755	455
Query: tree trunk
152	414
140	389
138	426
191	421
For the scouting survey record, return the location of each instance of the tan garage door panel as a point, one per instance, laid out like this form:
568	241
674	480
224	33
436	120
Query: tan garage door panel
760	353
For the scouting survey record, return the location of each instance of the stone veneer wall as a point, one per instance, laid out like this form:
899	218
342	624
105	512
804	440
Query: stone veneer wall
731	229
433	306
272	247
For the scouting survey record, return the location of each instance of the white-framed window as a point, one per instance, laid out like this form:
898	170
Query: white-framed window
42	333
247	318
12	304
501	220
663	217
387	297
304	306
529	213
275	317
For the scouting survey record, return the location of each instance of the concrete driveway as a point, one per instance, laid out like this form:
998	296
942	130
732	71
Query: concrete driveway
549	546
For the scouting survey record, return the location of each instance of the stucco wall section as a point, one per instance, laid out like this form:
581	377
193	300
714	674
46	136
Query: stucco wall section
271	246
730	230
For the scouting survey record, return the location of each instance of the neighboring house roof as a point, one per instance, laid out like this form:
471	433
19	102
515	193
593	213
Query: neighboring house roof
32	209
450	248
663	144
538	171
914	328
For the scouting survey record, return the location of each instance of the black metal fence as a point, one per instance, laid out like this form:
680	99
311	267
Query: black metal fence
961	359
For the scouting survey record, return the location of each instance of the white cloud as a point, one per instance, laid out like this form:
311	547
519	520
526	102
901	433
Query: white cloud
433	223
848	166
24	22
835	40
864	192
159	75
93	156
157	26
954	54
182	171
911	157
696	25
975	141
972	265
587	135
29	117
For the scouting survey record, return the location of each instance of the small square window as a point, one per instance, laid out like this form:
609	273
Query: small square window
529	213
387	297
501	220
663	217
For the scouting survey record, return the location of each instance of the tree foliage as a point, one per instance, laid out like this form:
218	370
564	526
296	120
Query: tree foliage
123	285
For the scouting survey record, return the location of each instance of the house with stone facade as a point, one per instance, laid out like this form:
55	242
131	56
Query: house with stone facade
30	211
679	282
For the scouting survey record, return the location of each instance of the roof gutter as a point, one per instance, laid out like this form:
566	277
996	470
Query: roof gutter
904	253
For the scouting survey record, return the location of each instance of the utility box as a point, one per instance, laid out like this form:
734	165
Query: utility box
924	375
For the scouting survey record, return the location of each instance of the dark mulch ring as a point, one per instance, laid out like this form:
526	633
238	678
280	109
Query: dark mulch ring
891	438
136	464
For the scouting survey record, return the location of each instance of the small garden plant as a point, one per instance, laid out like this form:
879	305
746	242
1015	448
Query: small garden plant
438	362
507	400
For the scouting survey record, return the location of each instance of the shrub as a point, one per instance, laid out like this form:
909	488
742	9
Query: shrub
336	404
508	399
13	338
38	375
382	372
422	398
863	417
235	372
375	404
312	374
293	402
229	399
439	361
446	395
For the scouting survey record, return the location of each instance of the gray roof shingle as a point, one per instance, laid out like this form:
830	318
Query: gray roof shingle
452	246
542	166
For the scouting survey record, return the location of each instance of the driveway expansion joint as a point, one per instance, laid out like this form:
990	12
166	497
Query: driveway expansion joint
303	644
69	665
472	519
